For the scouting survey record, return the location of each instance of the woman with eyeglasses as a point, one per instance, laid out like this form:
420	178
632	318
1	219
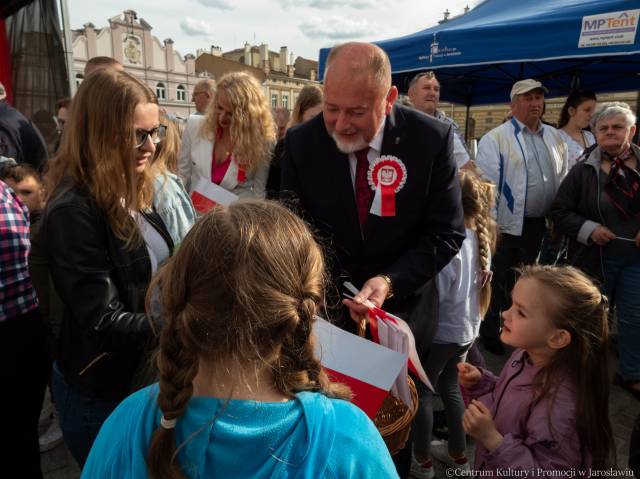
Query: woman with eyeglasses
103	241
231	145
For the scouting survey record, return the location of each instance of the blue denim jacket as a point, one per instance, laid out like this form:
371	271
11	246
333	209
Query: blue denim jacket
172	203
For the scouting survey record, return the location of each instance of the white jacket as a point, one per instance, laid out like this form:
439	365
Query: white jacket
502	158
195	158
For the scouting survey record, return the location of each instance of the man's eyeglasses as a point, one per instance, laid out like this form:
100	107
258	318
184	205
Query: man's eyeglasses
157	135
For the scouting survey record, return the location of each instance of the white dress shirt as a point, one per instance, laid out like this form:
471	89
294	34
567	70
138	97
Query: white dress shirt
375	148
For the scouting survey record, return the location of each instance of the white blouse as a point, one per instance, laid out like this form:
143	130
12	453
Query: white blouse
575	149
156	245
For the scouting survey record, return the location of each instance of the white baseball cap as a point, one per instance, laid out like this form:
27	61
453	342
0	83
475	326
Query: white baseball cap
523	86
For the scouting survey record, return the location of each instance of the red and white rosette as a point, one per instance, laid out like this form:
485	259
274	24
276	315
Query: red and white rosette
387	175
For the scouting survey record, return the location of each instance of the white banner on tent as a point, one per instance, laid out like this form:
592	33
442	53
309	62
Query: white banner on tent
606	29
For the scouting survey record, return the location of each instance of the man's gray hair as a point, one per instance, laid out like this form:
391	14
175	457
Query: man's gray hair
375	62
430	75
207	85
3	92
613	108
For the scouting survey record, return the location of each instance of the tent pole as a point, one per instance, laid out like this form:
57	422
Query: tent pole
467	118
68	50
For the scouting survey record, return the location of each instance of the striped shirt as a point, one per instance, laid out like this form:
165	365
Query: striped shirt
17	296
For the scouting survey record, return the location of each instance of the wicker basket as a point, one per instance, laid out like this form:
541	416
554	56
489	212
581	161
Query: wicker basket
394	417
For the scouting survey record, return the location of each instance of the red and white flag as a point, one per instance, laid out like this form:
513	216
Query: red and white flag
207	195
393	332
369	369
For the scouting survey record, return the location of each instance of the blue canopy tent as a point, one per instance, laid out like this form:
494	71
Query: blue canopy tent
589	44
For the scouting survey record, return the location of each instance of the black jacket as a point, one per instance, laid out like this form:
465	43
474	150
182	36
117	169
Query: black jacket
102	285
20	139
412	246
576	210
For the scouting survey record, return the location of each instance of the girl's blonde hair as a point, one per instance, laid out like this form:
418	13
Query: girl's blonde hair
309	97
98	148
253	131
167	151
251	303
577	306
477	201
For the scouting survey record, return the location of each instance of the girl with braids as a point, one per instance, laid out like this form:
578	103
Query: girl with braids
547	412
464	293
241	393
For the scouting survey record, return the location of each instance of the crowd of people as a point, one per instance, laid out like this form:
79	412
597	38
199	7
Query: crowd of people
177	343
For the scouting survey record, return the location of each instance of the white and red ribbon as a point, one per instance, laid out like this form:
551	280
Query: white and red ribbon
386	176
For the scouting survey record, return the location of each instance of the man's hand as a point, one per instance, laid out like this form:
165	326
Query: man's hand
478	423
602	235
374	290
638	239
468	375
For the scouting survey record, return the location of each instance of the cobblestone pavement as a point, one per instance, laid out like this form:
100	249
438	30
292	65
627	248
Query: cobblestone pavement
623	410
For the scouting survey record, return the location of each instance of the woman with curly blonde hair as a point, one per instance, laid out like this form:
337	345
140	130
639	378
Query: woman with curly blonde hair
231	146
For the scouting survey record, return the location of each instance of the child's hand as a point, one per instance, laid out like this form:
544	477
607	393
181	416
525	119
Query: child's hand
468	375
478	423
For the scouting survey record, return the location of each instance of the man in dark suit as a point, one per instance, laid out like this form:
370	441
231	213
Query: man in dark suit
378	182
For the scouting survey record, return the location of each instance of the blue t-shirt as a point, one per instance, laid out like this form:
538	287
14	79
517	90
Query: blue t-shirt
309	437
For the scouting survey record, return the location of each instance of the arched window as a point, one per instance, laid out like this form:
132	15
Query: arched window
79	78
181	93
161	91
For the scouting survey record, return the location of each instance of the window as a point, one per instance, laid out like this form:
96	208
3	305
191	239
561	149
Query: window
285	101
79	78
161	91
274	100
181	93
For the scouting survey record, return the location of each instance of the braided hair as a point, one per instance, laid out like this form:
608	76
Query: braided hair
244	287
477	201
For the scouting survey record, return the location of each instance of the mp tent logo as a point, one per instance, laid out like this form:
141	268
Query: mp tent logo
606	29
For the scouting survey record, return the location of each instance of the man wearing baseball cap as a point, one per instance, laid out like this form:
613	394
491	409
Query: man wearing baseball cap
526	160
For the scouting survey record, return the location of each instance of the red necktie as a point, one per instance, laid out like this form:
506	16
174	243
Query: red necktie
364	194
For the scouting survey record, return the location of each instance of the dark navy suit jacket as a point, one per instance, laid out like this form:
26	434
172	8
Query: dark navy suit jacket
412	246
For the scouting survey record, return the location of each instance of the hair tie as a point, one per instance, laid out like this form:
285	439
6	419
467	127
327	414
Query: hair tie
168	423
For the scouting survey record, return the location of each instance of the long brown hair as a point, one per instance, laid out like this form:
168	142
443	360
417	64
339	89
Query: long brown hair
253	130
97	149
309	97
577	306
477	201
252	302
574	100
